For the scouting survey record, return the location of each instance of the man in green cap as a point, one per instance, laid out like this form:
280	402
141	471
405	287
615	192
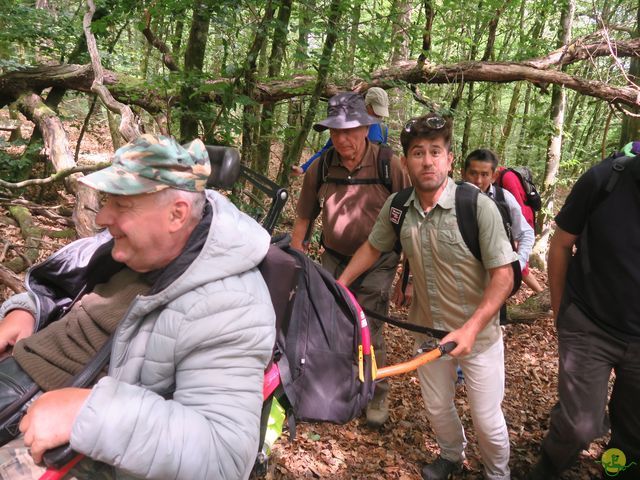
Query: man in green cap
173	281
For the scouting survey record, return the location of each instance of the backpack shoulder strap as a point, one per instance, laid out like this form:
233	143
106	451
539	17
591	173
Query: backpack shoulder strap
384	166
617	167
324	162
397	212
466	213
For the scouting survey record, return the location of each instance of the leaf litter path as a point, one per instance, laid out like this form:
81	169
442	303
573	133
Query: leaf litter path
353	451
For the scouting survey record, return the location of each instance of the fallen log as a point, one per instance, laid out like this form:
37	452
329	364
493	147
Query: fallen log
32	236
11	280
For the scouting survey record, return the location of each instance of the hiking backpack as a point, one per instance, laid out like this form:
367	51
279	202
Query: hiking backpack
466	202
618	164
525	176
323	349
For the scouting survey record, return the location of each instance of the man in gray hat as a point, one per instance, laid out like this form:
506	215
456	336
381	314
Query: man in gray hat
377	102
173	281
349	184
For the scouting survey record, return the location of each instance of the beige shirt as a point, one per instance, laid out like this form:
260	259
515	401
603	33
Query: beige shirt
348	211
448	281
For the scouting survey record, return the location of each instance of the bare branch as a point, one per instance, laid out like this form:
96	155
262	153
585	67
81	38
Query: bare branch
55	177
128	125
11	280
538	71
167	58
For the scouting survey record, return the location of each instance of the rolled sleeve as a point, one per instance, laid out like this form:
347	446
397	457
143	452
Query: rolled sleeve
495	248
383	236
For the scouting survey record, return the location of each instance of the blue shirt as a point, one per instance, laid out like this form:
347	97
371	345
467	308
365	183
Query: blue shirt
375	135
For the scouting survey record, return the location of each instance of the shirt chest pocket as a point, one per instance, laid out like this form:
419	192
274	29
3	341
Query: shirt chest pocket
449	245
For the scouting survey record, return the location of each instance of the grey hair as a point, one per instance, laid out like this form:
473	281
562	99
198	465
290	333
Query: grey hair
195	199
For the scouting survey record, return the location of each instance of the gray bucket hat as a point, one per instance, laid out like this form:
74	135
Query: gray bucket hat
346	110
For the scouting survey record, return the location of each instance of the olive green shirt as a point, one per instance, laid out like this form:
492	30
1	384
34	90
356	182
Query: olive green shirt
448	281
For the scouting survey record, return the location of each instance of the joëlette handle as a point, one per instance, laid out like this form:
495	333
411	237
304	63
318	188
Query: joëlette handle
416	361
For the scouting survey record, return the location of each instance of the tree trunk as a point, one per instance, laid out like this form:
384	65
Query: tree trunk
401	19
524	149
250	111
356	8
466	132
554	152
57	146
429	15
275	63
631	124
16	134
508	125
323	72
193	62
295	110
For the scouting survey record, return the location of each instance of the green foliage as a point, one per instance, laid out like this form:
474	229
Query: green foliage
31	31
366	42
12	167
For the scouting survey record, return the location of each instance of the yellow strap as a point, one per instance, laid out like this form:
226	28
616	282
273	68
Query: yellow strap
360	364
374	366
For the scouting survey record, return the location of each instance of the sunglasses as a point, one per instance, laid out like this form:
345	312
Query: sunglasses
435	122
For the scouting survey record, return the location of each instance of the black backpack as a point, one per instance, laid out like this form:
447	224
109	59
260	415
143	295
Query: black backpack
466	208
525	175
618	164
323	349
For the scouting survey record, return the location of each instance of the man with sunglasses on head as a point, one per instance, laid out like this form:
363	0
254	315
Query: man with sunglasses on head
452	291
346	185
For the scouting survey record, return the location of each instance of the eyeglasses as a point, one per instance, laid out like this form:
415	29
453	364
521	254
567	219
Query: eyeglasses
435	122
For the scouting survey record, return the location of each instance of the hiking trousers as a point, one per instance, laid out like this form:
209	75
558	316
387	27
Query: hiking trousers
587	355
484	380
372	290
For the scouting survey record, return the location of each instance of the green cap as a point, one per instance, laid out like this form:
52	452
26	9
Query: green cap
152	163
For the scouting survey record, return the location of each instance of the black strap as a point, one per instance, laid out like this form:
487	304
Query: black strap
412	327
384	157
466	213
385	154
617	168
353	181
397	213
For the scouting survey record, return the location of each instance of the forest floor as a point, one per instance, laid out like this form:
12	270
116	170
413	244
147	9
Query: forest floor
406	442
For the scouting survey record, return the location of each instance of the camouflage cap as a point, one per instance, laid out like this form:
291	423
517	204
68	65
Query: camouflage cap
152	163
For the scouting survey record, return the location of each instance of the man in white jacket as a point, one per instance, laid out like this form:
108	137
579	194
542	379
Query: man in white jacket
174	283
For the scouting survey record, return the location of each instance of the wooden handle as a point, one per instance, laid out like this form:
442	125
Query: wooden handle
415	362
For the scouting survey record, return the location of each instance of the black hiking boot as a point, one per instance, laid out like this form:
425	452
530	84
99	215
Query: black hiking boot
440	469
543	470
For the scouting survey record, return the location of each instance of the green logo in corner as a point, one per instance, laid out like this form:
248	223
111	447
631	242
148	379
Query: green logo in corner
614	461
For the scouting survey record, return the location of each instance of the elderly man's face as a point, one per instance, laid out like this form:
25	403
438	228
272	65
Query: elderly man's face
349	142
142	227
